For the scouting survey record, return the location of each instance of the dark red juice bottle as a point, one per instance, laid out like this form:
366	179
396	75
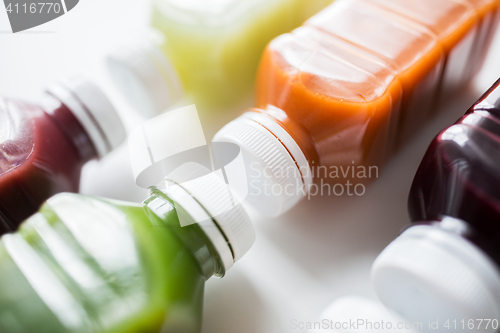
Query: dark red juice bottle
44	146
445	268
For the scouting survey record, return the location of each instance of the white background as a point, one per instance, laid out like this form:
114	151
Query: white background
302	261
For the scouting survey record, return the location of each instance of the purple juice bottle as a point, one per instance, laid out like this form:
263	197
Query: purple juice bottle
444	270
43	146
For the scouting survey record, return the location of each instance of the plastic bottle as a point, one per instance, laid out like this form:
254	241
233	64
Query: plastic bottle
207	50
86	264
350	86
445	268
44	146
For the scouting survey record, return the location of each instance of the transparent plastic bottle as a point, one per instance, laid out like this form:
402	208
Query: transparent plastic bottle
86	264
446	266
206	50
352	85
44	146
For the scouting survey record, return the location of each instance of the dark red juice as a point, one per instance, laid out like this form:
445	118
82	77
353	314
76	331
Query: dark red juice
44	147
460	175
444	268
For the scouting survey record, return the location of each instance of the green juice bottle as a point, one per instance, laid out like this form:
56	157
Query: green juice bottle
86	264
206	50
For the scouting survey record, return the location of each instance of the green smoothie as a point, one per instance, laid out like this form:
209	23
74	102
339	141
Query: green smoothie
86	264
215	45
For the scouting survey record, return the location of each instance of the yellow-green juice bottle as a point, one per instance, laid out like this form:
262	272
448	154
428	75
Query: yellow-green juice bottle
207	49
86	264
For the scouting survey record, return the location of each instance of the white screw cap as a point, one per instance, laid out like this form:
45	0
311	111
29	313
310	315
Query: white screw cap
430	274
144	75
277	170
216	197
93	110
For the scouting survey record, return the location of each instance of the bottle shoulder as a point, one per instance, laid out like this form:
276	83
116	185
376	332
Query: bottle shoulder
390	36
217	14
490	101
316	63
16	133
446	17
458	175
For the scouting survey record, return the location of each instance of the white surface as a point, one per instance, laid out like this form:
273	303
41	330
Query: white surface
301	262
352	314
444	276
151	142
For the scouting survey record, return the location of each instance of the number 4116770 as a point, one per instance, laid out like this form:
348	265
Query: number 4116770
472	324
40	7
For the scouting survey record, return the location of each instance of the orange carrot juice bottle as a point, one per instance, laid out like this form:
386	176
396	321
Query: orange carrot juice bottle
336	96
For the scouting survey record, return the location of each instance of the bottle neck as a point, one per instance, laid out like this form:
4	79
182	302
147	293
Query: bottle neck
63	116
278	169
191	236
297	132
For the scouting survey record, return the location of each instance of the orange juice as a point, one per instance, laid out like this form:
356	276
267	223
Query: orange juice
351	85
